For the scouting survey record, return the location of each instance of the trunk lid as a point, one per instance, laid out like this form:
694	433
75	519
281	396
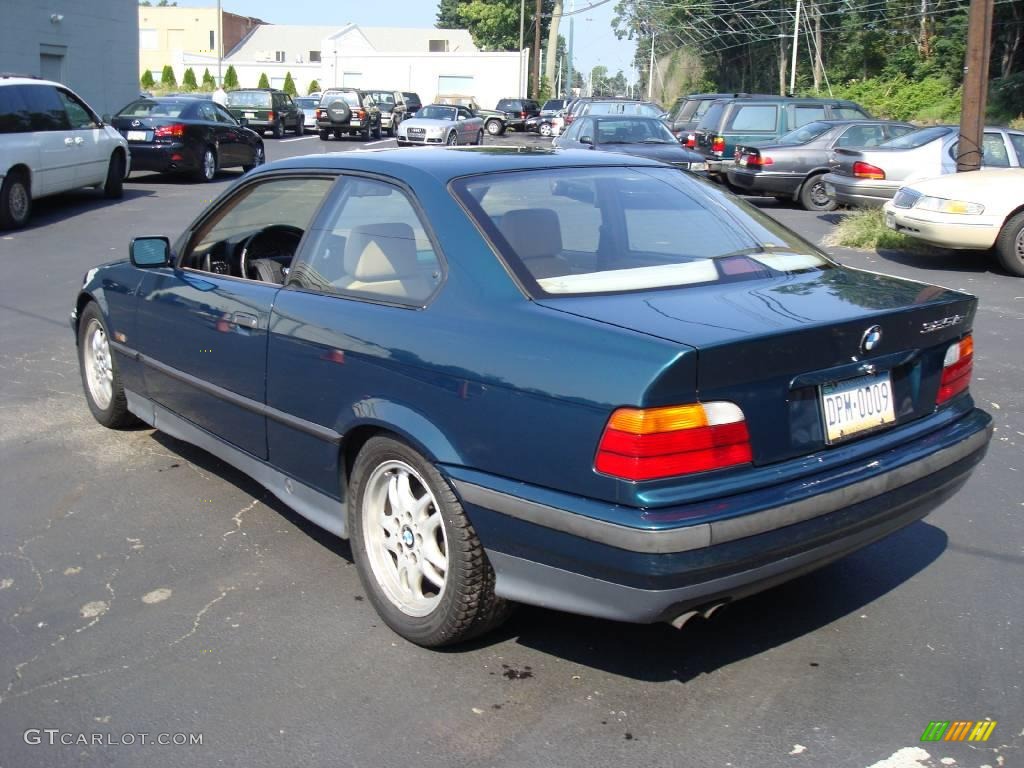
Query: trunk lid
771	345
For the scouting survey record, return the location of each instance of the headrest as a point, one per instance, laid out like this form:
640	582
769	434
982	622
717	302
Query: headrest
533	233
384	251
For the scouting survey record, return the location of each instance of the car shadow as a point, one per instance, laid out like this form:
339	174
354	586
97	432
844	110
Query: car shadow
55	208
181	179
945	260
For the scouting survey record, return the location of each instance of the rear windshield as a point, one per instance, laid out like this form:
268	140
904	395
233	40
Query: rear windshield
349	97
806	133
155	109
248	99
754	117
623	108
916	138
307	103
684	110
712	117
579	231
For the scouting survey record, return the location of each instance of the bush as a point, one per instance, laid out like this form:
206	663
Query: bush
866	229
1005	97
188	80
208	84
931	99
146	81
264	81
289	85
230	79
314	87
1018	122
167	78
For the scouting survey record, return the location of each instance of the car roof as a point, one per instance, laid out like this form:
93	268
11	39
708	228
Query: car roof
261	90
15	79
447	164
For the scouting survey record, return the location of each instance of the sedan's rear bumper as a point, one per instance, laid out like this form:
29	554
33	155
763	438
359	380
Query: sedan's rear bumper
860	193
765	181
556	557
163	158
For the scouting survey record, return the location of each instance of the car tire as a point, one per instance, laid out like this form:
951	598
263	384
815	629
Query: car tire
480	137
278	130
300	128
259	157
494	127
813	196
544	129
452	140
101	379
1010	245
418	557
325	135
207	170
379	132
337	134
15	201
113	187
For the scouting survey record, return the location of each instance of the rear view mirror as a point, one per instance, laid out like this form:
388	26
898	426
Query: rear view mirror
148	252
587	140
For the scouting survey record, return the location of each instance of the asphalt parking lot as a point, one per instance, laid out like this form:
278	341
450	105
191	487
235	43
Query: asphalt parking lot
147	588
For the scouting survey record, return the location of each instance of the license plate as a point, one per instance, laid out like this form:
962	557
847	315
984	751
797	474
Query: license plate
856	405
249	114
139	136
830	190
890	220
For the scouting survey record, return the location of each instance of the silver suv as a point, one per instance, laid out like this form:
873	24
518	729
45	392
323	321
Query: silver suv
51	141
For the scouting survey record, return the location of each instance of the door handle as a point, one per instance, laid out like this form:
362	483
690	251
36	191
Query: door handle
79	140
69	141
245	320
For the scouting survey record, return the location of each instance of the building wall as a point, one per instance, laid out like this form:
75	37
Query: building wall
93	46
165	33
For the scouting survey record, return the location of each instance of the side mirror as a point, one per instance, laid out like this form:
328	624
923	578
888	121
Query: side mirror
106	118
244	122
149	252
587	140
461	117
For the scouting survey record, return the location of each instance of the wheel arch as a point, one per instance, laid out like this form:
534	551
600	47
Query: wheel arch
810	175
23	169
81	302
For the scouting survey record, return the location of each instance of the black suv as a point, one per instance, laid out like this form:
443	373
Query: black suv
266	109
412	103
518	111
348	110
761	120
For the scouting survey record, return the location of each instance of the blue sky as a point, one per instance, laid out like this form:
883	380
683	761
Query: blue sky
594	41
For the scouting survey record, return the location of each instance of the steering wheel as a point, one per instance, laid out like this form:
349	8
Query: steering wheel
274	240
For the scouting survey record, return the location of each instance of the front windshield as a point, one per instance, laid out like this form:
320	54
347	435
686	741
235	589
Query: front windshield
633	131
577	231
805	133
435	112
916	138
155	109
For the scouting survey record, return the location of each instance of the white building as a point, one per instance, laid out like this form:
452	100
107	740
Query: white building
430	62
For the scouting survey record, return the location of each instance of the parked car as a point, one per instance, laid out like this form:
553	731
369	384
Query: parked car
687	112
621	107
266	109
308	105
392	109
793	168
51	141
866	178
552	107
412	102
409	387
495	122
762	120
576	105
442	124
629	135
348	111
975	211
518	110
545	125
184	134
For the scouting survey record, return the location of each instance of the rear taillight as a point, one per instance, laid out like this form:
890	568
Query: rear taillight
867	171
718	145
691	140
270	116
522	115
172	131
648	443
956	369
757	161
362	114
569	119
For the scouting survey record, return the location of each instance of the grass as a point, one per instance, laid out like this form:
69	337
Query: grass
866	229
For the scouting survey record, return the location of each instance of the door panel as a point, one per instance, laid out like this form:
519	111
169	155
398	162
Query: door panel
92	145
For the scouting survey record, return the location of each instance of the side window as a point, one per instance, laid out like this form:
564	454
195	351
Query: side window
223	116
374	245
587	126
1016	139
760	117
46	110
206	112
995	154
14	114
80	115
808	114
263	221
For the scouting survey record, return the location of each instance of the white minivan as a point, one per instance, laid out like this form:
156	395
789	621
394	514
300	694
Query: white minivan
51	141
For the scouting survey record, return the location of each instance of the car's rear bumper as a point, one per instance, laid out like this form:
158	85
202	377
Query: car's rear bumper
163	158
551	549
765	181
350	127
859	193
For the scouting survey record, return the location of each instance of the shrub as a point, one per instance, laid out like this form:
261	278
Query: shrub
188	80
230	79
1018	122
866	229
264	81
147	81
289	85
167	78
209	84
933	98
314	87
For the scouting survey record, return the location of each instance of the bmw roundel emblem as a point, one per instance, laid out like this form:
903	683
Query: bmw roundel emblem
872	338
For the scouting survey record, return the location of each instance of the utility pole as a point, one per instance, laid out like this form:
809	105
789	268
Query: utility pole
536	52
796	40
650	72
572	19
972	116
522	17
220	43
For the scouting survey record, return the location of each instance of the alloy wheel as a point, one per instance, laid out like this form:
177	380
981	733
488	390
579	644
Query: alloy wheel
18	202
99	373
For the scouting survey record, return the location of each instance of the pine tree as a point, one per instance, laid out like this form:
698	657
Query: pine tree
188	80
209	84
289	85
167	79
230	78
314	87
264	81
147	81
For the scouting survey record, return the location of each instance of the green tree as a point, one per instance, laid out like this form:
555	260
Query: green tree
264	81
289	85
147	81
209	84
167	78
188	80
448	14
314	87
230	78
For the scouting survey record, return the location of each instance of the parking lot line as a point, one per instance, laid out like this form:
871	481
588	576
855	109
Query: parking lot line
298	138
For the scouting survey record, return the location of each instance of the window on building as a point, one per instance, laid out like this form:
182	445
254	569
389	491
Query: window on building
212	41
314	57
438	46
279	56
148	40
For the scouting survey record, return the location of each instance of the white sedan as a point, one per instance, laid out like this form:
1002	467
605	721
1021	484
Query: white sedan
976	210
441	124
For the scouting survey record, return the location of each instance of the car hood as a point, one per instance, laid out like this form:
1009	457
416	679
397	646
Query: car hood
666	153
977	186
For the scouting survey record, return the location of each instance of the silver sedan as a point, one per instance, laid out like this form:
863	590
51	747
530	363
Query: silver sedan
441	124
